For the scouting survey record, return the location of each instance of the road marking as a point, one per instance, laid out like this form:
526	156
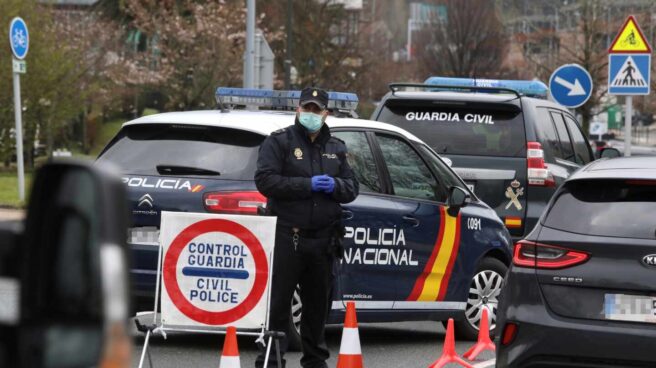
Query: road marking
485	364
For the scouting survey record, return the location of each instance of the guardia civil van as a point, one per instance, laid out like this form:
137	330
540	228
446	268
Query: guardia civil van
511	145
419	245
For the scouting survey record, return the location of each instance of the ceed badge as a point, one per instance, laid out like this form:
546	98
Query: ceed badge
298	153
314	93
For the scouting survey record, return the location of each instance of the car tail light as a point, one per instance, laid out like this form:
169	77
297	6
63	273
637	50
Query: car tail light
536	255
538	173
245	203
509	332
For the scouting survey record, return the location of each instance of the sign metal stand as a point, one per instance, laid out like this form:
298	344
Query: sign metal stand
271	337
629	69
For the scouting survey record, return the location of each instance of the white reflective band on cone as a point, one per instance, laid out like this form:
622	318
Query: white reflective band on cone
350	342
229	362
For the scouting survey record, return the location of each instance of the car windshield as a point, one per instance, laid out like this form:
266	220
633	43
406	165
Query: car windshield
158	149
481	129
618	208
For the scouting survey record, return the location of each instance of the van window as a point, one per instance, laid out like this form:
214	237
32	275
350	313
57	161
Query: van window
547	133
581	145
472	129
565	143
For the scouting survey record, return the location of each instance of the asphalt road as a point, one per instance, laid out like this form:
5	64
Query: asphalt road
407	344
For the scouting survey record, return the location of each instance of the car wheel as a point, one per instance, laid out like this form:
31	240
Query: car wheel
294	338
484	291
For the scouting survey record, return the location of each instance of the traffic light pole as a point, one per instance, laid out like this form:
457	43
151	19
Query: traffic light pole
250	44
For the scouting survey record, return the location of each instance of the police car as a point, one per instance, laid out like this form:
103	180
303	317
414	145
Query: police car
418	246
510	144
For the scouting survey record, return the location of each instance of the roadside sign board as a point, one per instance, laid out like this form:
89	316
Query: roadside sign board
19	38
216	269
598	128
570	85
629	74
629	61
19	66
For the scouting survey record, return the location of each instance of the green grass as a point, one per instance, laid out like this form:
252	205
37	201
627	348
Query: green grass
9	189
149	111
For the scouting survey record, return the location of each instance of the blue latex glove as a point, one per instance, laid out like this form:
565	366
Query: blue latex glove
317	182
328	184
323	183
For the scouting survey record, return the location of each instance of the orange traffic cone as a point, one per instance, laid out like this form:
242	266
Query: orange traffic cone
484	341
350	354
449	354
230	356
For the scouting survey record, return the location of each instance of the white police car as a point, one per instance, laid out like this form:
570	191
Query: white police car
419	245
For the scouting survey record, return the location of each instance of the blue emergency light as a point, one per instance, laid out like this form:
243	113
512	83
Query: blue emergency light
532	88
280	100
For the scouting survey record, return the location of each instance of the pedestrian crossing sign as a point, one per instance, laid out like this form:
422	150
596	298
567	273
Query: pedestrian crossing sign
630	39
628	74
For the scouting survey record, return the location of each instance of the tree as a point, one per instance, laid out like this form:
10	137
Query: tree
326	50
581	39
190	48
468	42
67	71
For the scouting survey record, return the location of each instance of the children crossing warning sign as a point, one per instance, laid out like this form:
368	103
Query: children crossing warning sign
629	61
216	269
630	39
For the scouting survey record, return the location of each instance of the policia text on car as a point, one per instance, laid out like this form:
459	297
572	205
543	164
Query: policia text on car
304	173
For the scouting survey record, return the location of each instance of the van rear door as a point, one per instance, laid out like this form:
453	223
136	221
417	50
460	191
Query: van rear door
485	141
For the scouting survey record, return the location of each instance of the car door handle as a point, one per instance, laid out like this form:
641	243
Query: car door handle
411	220
347	215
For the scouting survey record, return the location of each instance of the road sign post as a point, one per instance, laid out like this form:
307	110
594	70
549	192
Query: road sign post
570	85
629	70
19	40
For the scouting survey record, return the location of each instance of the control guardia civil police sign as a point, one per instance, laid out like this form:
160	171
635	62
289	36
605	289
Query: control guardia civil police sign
216	269
19	38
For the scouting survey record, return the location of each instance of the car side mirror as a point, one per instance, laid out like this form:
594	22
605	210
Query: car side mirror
73	276
609	152
458	198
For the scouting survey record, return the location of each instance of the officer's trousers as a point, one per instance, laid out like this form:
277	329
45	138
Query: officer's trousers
309	265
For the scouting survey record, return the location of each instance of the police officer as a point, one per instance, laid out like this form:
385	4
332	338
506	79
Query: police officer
303	172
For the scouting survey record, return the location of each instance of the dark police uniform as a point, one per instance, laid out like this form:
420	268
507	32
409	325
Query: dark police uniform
304	252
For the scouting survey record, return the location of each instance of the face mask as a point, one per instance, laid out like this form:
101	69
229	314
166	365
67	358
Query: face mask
312	122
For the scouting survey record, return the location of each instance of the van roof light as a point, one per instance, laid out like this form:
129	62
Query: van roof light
530	88
268	99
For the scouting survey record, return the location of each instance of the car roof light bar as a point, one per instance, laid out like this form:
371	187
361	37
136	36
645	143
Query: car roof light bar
268	99
530	88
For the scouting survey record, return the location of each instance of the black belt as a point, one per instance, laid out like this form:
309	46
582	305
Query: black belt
305	233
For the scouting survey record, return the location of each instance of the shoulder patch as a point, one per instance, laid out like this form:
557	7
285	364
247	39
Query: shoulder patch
279	131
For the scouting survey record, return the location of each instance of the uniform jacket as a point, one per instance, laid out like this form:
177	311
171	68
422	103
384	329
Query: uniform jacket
286	163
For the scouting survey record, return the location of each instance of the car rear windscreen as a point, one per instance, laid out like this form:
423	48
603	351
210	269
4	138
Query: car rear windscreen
139	149
615	208
465	129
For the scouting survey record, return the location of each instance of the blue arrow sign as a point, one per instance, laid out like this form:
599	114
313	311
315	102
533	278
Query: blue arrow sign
19	38
570	85
629	74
